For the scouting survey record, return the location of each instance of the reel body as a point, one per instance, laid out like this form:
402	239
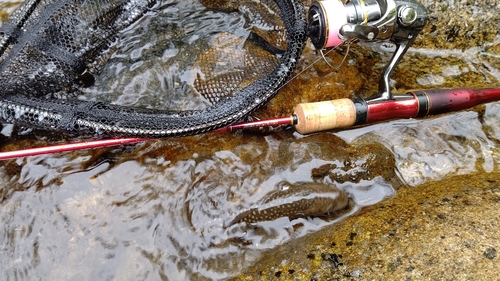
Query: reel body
332	22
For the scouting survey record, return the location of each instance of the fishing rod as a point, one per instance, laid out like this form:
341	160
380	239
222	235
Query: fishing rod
66	147
93	144
322	116
331	23
315	117
344	113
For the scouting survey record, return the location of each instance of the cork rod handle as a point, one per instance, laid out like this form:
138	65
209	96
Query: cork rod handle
325	115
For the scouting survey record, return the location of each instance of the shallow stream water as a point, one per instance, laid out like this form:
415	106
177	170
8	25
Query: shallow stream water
159	210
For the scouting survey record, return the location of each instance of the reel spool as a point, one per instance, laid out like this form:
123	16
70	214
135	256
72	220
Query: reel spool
326	19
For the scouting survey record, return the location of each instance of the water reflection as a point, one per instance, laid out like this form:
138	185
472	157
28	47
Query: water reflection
183	55
159	210
438	147
164	214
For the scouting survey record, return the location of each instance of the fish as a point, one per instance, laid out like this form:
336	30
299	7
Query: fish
298	200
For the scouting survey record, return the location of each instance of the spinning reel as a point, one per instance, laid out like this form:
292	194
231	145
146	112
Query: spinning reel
331	22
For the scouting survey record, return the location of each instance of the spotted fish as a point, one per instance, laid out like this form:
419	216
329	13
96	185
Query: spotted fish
297	200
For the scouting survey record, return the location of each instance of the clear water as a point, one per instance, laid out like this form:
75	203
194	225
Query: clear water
155	62
150	213
156	210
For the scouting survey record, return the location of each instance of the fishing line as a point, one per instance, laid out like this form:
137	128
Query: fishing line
317	60
348	43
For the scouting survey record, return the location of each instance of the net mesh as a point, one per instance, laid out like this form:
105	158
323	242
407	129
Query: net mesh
48	48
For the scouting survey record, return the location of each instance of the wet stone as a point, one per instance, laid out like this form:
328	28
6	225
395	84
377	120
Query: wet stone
490	253
334	259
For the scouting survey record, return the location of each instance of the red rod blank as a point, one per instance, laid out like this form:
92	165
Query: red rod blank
5	155
92	144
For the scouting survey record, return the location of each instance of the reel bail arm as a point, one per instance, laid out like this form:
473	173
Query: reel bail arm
411	18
